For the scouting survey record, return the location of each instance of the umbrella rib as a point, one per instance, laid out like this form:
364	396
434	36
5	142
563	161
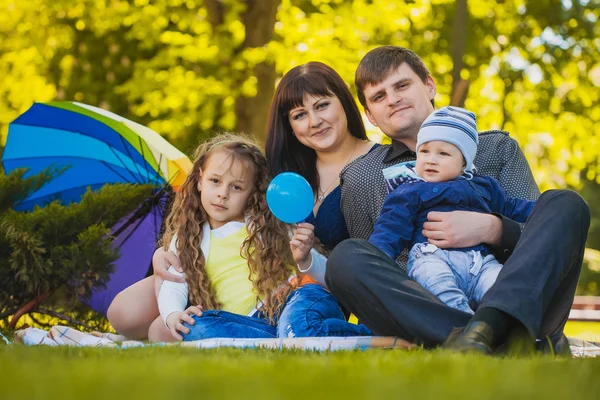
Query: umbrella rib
136	166
157	218
121	176
144	155
138	222
173	178
159	170
122	162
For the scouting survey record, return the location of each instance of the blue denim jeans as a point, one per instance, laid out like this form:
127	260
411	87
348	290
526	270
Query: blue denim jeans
223	324
458	278
311	310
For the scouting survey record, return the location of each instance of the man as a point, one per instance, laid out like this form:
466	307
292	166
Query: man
536	287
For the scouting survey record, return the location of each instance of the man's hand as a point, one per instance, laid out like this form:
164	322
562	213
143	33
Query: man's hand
176	319
161	261
458	229
301	244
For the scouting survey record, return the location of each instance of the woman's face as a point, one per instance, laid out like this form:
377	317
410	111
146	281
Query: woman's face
320	123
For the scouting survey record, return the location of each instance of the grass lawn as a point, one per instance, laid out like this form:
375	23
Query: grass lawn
182	373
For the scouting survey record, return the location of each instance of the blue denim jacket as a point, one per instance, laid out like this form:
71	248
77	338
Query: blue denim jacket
405	209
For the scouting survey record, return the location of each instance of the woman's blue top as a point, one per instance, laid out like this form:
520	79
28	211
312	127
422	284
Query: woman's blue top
329	223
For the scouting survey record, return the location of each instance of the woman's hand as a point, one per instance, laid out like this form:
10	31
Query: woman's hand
176	319
161	261
301	244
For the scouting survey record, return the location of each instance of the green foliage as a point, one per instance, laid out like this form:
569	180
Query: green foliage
15	188
185	68
58	252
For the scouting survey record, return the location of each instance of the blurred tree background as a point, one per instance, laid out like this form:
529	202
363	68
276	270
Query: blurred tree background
189	68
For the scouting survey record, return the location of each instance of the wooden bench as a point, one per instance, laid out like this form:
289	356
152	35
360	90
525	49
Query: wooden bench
585	308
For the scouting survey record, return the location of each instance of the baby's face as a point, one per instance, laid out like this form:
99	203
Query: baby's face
439	161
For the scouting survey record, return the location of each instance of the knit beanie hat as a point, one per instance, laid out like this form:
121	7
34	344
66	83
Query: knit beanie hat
453	125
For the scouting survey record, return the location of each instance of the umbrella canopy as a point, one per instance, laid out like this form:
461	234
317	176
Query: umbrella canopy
99	147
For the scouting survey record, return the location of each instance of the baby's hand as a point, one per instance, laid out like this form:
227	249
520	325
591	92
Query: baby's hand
301	244
176	319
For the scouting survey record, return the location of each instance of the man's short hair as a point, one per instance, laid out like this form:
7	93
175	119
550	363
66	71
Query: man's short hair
378	63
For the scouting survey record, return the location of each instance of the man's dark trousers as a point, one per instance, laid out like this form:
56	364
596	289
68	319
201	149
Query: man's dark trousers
536	285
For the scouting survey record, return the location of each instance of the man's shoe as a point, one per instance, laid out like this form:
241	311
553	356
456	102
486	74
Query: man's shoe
476	337
518	343
560	348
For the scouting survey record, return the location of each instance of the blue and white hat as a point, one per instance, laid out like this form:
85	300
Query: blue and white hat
453	125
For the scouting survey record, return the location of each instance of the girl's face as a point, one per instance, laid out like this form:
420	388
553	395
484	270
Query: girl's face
439	161
225	186
320	123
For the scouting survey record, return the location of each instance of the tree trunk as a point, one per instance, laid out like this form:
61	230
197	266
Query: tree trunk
460	87
251	112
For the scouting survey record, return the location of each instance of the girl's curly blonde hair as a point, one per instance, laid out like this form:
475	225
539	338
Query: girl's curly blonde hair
266	248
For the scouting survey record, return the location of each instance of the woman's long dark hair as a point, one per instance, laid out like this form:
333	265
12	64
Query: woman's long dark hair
284	151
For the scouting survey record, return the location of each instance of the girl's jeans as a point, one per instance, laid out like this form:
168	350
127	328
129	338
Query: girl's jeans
310	311
458	278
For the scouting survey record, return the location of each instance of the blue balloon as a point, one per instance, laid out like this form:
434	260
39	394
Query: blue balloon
290	197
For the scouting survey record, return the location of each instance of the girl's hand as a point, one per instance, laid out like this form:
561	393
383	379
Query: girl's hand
176	319
301	244
161	260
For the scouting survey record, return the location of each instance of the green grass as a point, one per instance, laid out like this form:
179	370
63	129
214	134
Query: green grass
182	373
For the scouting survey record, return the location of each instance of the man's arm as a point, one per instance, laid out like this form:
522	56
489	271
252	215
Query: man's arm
497	148
514	174
457	229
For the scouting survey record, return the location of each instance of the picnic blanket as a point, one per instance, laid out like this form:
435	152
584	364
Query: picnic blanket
65	336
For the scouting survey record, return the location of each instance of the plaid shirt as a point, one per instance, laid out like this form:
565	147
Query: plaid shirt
364	190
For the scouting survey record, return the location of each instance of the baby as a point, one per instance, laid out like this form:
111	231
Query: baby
444	179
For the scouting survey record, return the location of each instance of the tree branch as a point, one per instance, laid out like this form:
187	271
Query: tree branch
7	314
251	112
459	41
216	12
25	309
505	113
64	317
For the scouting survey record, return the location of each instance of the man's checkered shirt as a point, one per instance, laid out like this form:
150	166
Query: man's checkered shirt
363	184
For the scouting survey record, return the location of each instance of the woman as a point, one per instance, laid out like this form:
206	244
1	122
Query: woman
315	129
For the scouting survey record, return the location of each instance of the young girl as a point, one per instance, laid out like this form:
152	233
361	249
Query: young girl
237	257
234	252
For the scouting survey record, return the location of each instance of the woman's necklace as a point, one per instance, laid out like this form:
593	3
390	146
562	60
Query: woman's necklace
321	193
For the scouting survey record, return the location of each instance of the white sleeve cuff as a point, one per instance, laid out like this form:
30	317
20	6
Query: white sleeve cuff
318	265
172	297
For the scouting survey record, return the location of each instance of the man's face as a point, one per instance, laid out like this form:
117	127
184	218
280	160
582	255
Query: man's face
399	104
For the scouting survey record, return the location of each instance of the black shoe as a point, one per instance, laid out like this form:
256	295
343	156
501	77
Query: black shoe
560	348
518	343
476	337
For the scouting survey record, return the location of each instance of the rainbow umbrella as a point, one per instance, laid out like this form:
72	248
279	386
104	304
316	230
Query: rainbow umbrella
99	147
